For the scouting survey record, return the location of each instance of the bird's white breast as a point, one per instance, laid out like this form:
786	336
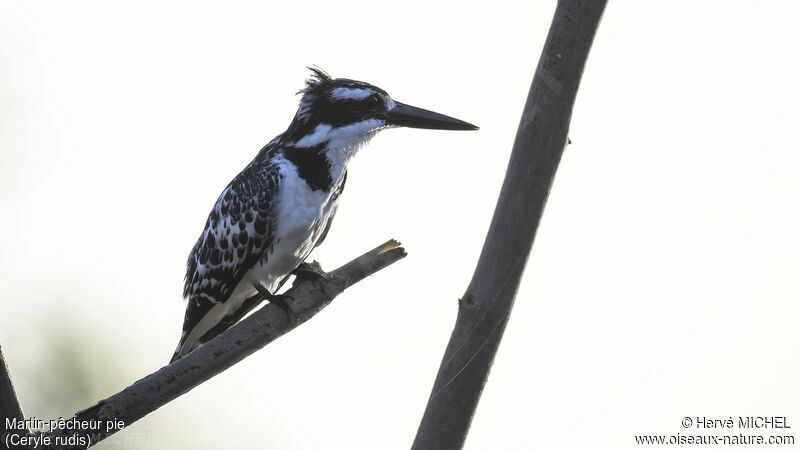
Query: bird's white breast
301	217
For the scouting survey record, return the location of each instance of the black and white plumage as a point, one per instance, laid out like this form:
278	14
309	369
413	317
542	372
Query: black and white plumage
271	216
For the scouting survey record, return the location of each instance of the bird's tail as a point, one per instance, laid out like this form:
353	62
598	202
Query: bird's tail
182	348
193	337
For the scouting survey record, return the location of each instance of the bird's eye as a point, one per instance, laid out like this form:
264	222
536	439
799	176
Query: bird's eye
374	99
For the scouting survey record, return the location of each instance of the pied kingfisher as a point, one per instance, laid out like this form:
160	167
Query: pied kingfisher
280	207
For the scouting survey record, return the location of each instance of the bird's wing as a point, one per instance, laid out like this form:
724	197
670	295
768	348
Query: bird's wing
239	229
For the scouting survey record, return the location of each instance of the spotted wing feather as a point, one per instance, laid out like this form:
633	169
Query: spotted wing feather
239	229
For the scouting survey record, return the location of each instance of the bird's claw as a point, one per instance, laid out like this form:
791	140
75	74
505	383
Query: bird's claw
310	271
279	300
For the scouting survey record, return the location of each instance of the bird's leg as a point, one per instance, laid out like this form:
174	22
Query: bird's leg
278	299
310	271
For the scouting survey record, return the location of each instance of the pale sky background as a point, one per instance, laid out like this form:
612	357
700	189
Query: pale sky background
663	282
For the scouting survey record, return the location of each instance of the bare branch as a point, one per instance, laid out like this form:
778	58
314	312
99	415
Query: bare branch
485	308
252	333
9	404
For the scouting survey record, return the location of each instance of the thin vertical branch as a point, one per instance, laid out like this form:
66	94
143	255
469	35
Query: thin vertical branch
9	404
485	307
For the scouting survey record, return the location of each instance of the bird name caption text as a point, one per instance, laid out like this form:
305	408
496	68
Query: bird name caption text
76	432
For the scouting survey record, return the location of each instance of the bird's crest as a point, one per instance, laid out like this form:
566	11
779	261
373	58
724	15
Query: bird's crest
318	76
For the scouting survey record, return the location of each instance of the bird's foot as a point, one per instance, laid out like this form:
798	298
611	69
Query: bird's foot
310	271
280	300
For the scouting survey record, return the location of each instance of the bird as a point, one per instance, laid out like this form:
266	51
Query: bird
270	217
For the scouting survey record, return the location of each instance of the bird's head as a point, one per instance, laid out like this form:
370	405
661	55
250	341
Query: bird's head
342	112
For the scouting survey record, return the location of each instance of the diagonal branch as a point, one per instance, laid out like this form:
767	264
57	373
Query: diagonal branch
485	307
252	333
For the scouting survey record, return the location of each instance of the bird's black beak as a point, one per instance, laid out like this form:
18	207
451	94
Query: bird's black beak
403	115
